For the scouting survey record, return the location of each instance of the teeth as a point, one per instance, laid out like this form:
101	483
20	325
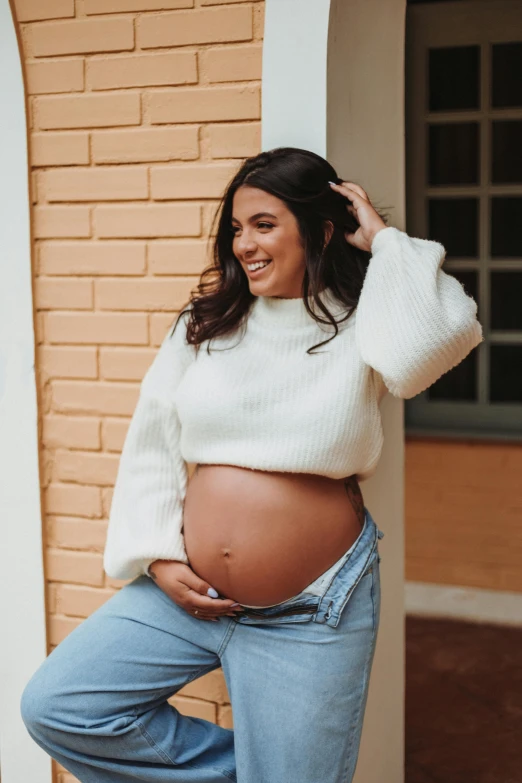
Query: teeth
259	265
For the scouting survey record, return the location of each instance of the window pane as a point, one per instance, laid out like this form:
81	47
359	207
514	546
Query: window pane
505	373
506	151
454	223
506	220
506	300
454	78
453	153
460	383
506	79
469	280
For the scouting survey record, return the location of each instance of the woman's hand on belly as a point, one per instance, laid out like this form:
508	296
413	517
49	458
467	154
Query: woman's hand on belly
186	589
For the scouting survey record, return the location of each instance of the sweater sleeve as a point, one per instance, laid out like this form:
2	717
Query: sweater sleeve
146	513
414	322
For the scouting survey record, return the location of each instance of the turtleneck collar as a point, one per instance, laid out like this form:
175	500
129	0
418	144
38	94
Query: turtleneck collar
273	311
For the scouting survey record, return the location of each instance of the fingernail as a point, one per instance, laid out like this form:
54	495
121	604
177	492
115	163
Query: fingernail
212	593
331	183
236	604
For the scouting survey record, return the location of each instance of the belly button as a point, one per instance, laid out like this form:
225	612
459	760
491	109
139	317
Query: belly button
226	552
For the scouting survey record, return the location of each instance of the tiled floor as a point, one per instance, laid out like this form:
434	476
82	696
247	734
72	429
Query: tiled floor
463	702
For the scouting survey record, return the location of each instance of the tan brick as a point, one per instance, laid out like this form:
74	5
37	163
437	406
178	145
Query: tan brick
85	468
144	144
50	597
203	104
92	258
77	567
61	627
81	36
74	500
142	70
232	63
143	295
59	149
160	323
73	432
38	328
55	222
65	777
33	187
182	28
125	364
194	708
79	601
225	717
240	140
63	294
88	111
144	221
54	76
109	399
119	6
103	328
209	209
211	686
60	361
107	493
178	258
113	434
199	181
76	533
35	10
100	183
259	21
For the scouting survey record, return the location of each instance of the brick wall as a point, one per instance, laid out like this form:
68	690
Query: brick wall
139	113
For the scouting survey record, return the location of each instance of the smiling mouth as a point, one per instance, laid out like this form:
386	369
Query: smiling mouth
258	270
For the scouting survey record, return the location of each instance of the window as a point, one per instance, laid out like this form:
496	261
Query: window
464	189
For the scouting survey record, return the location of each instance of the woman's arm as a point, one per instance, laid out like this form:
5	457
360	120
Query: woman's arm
413	321
146	512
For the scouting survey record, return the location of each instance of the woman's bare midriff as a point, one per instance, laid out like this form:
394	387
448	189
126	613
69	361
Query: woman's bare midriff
261	537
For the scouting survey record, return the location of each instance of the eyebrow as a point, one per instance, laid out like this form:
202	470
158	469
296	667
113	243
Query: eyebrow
258	215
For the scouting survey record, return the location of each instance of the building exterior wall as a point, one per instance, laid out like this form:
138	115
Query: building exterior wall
139	113
463	507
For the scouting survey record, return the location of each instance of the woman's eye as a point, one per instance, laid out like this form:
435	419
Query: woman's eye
259	225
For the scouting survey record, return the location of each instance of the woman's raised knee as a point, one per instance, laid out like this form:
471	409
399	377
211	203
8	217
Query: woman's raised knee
37	704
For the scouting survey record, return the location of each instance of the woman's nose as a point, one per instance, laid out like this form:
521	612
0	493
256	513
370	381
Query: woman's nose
246	243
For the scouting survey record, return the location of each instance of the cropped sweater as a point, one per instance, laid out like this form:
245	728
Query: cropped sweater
259	401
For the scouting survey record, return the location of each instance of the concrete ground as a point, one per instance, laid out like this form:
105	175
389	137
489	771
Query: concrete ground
463	702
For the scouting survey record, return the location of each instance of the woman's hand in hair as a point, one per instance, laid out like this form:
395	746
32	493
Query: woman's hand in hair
362	210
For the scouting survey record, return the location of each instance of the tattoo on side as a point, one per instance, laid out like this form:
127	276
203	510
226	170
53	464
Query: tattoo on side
353	491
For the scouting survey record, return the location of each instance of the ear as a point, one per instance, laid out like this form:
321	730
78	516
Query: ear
328	231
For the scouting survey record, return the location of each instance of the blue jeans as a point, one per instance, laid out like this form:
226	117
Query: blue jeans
297	675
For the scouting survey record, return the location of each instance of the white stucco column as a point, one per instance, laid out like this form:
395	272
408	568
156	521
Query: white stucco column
333	82
22	604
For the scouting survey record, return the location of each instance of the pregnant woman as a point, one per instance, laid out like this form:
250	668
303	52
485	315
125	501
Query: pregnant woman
266	561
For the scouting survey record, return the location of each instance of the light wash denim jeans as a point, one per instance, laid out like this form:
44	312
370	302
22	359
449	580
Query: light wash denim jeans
297	675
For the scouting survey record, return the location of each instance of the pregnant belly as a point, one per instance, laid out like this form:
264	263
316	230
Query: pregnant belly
261	537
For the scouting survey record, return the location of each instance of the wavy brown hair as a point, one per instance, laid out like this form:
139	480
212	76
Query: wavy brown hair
299	178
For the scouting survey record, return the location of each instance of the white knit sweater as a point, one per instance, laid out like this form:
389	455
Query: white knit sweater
260	401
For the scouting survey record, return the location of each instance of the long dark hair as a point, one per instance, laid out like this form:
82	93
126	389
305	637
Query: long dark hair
300	179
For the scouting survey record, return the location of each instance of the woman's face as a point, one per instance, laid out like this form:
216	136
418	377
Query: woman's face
265	230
